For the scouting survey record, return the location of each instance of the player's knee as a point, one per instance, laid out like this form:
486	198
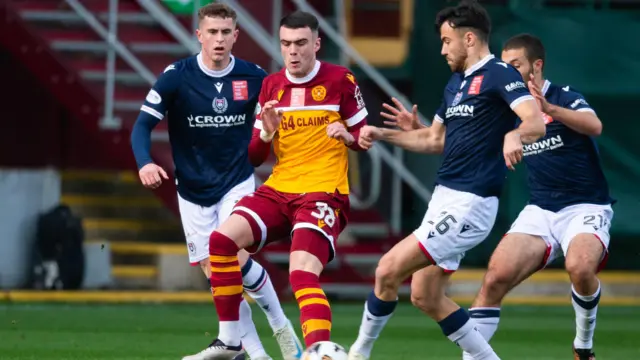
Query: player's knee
424	301
580	272
583	257
497	281
238	229
388	271
221	244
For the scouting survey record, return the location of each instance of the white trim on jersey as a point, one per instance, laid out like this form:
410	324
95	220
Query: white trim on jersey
587	110
258	124
355	119
520	100
216	73
438	119
312	107
478	65
545	87
152	112
311	75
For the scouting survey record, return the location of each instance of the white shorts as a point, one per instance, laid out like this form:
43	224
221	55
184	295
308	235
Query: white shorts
455	222
199	222
557	229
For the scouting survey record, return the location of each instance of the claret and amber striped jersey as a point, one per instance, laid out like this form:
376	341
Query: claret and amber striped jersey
307	159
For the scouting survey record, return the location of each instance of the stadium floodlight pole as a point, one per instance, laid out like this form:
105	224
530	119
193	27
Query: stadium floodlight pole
353	53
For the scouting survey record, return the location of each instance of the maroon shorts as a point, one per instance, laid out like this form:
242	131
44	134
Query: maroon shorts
274	215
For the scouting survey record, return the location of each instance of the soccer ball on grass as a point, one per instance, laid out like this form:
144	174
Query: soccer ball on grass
324	350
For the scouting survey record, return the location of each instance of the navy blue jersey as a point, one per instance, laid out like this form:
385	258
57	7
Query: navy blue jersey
564	166
477	112
211	115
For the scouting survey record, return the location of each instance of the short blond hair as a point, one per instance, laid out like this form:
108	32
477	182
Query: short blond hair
218	10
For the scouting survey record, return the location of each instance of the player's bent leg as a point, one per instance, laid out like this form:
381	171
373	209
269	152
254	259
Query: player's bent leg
310	252
226	281
393	268
428	294
582	262
516	257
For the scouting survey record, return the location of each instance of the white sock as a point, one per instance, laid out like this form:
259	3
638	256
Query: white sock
229	332
486	320
249	334
258	285
462	330
586	308
372	325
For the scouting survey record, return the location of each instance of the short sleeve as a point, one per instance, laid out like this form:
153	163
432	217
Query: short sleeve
441	113
509	85
352	107
263	97
574	100
161	94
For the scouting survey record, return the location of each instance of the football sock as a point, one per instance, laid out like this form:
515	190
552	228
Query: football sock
249	334
461	329
586	308
315	312
226	282
258	285
486	320
376	314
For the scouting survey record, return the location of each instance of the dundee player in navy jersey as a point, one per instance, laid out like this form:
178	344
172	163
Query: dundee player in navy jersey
569	211
211	100
474	128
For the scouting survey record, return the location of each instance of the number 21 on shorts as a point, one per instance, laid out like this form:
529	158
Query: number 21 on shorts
325	214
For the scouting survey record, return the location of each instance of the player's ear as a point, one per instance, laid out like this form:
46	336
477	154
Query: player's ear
236	32
199	35
316	44
537	66
469	38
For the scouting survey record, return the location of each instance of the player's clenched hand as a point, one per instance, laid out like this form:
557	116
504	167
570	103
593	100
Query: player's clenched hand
271	117
151	176
512	149
537	94
400	117
337	131
368	134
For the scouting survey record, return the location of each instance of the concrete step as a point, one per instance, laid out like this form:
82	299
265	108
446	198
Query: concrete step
126	207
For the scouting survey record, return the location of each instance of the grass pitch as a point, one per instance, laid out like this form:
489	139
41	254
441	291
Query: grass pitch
134	332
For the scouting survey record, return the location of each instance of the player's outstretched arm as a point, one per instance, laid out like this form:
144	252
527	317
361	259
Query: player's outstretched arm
425	140
575	112
151	113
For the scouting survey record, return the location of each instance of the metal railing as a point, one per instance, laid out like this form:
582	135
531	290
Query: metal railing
109	35
162	16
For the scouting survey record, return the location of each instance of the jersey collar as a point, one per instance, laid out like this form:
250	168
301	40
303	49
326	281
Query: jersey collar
545	87
216	73
478	65
305	79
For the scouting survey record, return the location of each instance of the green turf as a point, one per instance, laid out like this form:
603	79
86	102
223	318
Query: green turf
128	332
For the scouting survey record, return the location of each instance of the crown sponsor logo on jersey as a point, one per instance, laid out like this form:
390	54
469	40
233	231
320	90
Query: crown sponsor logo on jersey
318	93
297	96
220	105
550	143
476	84
280	93
240	90
456	100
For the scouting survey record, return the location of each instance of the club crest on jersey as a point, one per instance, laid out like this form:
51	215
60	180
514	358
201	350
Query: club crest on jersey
220	105
476	84
318	93
456	100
